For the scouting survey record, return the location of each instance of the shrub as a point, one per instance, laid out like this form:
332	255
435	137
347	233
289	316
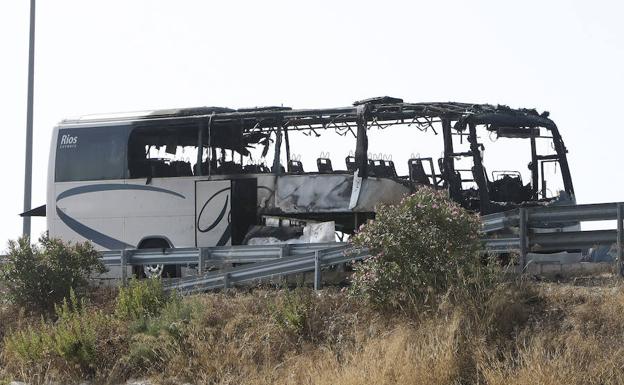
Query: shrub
141	299
40	276
421	247
72	340
75	335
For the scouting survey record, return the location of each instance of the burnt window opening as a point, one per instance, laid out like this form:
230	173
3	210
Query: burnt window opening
157	151
498	164
420	158
221	161
240	152
527	165
162	151
329	150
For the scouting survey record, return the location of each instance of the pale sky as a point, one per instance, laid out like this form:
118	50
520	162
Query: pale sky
106	56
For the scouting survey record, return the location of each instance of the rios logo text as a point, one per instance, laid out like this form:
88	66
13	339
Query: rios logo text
68	141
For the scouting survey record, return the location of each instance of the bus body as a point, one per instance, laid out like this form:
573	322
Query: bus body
215	176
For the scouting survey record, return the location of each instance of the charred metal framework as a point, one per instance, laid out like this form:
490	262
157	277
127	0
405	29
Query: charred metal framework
235	132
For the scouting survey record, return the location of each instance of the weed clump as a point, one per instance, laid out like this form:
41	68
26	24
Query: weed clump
141	299
159	337
290	311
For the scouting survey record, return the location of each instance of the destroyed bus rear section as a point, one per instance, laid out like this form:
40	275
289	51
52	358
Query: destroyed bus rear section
216	176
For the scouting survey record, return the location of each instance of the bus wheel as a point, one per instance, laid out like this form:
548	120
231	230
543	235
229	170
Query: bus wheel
157	270
153	271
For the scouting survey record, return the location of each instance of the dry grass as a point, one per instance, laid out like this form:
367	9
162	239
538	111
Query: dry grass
537	333
406	355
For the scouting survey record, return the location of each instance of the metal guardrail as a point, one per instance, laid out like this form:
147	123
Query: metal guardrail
310	261
528	240
501	245
499	221
204	256
267	261
572	213
541	215
555	241
527	220
217	254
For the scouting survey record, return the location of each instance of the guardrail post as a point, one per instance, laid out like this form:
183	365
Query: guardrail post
620	239
284	250
524	218
201	263
317	270
226	281
124	266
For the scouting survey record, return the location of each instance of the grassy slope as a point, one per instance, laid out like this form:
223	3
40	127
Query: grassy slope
538	333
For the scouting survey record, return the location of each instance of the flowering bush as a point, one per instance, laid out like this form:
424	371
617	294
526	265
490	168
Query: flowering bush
423	246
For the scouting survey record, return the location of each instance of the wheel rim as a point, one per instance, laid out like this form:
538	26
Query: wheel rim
153	271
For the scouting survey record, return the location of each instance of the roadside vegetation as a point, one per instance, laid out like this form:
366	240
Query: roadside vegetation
440	322
39	276
424	247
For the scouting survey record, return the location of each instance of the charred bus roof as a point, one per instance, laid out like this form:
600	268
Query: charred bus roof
383	109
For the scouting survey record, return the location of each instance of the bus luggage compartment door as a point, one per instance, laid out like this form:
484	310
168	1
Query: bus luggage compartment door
224	211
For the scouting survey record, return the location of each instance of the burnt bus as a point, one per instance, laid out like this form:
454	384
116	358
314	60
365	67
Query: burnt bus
217	176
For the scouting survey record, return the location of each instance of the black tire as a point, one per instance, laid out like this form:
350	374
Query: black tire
169	271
